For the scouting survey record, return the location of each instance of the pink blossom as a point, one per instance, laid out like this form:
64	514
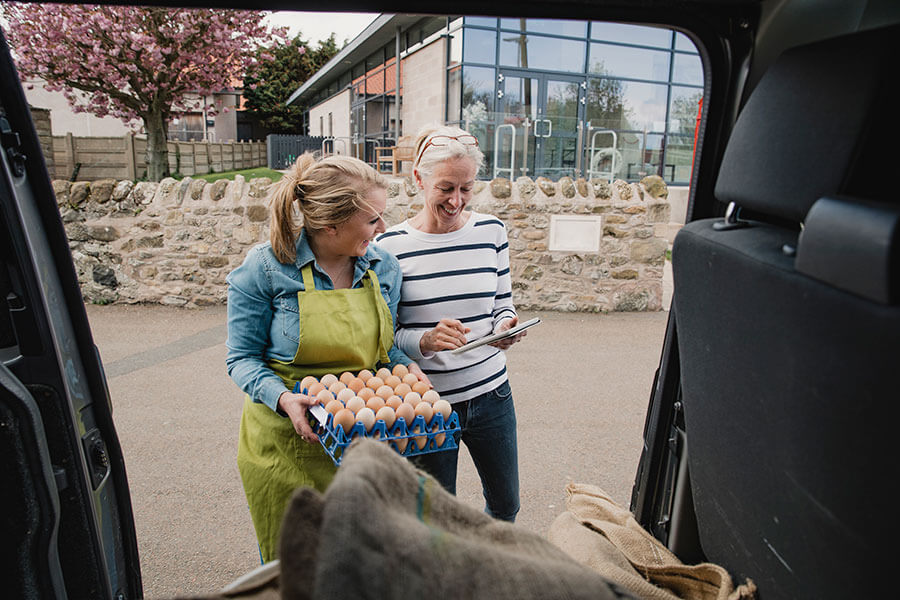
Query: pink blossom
102	49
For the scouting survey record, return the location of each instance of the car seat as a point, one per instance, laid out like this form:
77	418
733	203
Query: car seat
788	328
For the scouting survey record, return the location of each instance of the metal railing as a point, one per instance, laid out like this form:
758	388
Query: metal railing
512	151
598	154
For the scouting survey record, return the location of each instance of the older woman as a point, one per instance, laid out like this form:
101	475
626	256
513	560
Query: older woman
456	287
316	299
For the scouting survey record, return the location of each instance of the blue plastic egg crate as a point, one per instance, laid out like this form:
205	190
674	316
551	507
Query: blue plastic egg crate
335	441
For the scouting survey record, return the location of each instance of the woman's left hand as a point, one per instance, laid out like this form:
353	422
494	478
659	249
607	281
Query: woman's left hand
417	371
507	342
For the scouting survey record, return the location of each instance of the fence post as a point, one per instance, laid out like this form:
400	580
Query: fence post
130	166
70	154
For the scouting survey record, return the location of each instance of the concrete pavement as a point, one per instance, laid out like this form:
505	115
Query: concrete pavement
581	383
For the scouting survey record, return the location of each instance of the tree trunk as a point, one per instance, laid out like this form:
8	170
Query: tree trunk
157	148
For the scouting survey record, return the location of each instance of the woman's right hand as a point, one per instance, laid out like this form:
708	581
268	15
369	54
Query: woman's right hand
448	335
295	407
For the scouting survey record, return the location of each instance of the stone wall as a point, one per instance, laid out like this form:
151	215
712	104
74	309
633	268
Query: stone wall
174	242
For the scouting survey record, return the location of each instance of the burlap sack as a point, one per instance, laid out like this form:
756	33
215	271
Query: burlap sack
388	530
605	537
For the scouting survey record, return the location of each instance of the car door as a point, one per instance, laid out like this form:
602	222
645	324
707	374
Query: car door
67	527
769	432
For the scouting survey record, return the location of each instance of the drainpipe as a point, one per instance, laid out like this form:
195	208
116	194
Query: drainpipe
397	79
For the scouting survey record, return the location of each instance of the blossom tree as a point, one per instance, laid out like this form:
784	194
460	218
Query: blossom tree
136	63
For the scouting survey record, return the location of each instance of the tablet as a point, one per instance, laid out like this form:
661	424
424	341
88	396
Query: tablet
496	336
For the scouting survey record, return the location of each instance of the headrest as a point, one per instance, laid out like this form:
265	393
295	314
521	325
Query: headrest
854	245
814	126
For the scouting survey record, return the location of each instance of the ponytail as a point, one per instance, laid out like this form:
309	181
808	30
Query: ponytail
327	193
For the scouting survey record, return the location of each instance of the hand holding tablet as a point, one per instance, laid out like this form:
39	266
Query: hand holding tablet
497	336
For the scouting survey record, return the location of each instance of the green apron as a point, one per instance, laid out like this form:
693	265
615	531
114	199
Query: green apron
340	330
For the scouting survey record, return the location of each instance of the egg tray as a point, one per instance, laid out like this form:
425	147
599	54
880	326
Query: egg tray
335	441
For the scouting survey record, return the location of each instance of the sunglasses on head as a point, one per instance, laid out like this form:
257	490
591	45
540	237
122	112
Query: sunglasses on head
444	140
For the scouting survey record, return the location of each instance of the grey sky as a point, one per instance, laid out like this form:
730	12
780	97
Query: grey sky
315	26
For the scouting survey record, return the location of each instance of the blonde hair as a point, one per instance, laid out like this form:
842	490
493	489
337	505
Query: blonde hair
327	192
426	161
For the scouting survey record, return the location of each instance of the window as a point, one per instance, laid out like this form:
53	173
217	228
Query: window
549	26
633	34
481	21
480	46
478	89
684	108
687	69
624	61
539	52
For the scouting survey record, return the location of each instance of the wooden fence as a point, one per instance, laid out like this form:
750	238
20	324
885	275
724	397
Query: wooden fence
125	157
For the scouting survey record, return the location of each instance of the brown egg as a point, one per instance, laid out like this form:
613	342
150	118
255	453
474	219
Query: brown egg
324	397
431	396
366	393
346	377
365	374
307	381
443	407
367	417
385	392
386	414
375	403
374	382
356	384
383	373
424	410
394	401
400	370
413	399
421	387
409	379
439	438
337	386
344	418
345	394
402	389
328	379
405	412
355	404
314	389
392	380
334	406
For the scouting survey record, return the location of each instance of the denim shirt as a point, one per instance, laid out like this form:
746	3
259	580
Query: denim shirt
263	312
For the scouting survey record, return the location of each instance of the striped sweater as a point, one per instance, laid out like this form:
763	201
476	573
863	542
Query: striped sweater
460	275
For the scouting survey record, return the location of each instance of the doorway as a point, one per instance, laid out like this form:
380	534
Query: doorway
538	124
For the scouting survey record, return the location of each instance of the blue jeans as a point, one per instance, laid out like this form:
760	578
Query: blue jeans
488	428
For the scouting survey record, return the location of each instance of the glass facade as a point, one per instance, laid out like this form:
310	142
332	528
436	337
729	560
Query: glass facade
584	99
546	97
373	110
373	95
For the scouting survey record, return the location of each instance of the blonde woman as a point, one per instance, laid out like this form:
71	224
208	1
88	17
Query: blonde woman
457	288
317	298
